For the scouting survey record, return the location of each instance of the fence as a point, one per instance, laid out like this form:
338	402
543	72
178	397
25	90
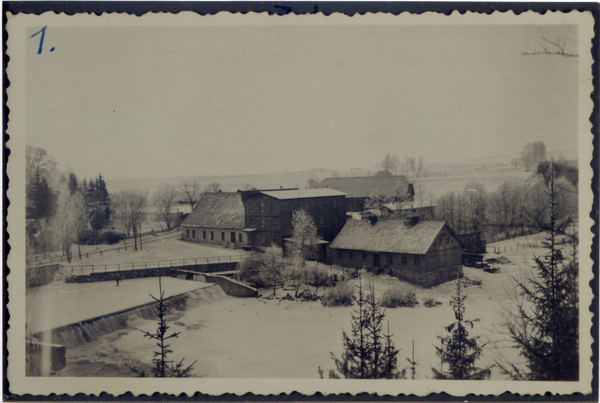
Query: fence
116	247
156	264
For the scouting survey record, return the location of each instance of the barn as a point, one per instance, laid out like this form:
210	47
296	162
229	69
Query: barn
426	253
218	219
359	189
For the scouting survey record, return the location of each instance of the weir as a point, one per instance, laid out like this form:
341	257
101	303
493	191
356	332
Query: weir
92	329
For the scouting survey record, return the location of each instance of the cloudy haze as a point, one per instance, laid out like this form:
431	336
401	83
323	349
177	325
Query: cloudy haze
162	102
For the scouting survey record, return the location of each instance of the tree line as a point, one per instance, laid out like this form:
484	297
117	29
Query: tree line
513	208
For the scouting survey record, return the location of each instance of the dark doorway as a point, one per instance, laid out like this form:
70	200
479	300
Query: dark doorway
233	237
376	259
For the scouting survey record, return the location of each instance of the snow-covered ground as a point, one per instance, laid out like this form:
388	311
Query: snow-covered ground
258	338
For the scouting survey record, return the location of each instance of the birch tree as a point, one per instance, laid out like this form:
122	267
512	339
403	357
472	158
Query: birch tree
69	219
304	235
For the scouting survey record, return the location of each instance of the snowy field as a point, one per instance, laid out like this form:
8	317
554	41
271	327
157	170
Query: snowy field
258	338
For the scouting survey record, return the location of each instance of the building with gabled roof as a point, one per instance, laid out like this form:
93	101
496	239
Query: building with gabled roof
269	213
359	189
219	219
422	252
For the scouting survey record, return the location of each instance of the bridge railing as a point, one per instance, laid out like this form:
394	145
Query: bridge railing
154	264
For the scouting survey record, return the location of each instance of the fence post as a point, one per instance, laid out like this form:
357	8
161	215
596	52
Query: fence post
71	269
92	269
104	268
196	260
145	265
219	259
132	268
119	267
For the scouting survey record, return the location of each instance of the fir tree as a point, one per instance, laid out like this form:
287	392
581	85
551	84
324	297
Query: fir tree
459	351
163	367
73	185
545	327
368	352
42	199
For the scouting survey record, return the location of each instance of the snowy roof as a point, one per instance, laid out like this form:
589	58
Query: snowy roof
363	186
393	236
218	210
301	193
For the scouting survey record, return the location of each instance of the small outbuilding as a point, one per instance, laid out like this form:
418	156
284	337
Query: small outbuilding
426	253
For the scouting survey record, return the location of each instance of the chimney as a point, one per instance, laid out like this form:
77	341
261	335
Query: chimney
219	190
411	221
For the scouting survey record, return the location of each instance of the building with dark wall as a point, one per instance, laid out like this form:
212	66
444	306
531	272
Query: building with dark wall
217	219
359	189
268	213
422	252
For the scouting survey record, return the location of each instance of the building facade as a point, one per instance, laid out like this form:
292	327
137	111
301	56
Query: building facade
268	213
425	253
217	219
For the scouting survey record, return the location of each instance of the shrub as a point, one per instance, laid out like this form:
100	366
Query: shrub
429	302
315	277
395	296
112	237
340	295
250	272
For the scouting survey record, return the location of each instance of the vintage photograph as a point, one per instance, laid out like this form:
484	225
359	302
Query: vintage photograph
306	198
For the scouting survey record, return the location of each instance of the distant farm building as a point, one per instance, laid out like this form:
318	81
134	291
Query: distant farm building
359	189
268	213
425	253
474	248
217	219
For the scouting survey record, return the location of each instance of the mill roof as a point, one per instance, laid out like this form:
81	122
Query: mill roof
301	193
218	210
392	236
363	186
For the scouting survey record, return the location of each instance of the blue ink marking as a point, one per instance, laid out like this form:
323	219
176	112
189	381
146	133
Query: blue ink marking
43	32
52	49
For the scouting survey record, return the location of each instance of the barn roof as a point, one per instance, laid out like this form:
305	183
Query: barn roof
217	210
392	236
301	193
363	186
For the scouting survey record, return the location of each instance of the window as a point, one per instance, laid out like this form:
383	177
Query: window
273	224
417	262
322	221
240	238
187	233
262	207
212	235
350	255
222	236
272	207
334	203
340	254
441	241
403	259
203	234
389	259
252	223
364	256
447	239
251	207
262	223
194	233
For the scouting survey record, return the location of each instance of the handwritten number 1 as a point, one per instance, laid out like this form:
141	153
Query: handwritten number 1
43	32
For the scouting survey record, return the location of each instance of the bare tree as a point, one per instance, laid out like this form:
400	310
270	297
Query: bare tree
532	154
312	182
212	187
37	160
129	205
70	218
191	192
388	163
164	198
377	200
304	234
552	47
271	267
409	166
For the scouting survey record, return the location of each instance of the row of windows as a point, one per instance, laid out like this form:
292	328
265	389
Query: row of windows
212	235
447	240
262	223
389	258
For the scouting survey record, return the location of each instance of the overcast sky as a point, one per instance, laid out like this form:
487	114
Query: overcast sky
162	102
